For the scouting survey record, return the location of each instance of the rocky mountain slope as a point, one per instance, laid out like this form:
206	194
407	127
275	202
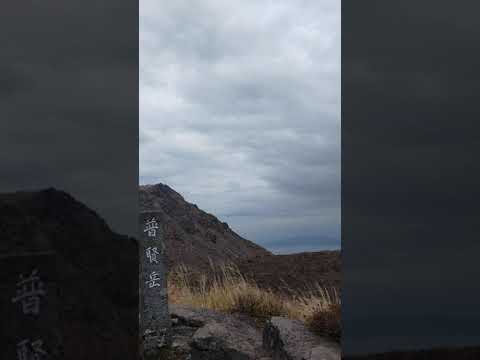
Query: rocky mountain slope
194	237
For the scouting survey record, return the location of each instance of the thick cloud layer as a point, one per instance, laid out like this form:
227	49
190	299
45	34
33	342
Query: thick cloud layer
240	112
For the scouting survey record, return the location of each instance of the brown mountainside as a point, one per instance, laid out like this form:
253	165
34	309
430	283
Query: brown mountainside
194	237
297	272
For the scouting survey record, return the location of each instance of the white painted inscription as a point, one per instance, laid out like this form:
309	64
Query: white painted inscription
30	289
30	350
152	253
154	280
151	227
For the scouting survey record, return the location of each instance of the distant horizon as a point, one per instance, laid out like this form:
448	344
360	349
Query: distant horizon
240	113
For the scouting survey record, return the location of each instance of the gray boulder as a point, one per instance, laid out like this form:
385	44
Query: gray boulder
202	334
288	339
231	339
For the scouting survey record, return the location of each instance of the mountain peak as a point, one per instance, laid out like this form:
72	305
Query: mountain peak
160	188
193	236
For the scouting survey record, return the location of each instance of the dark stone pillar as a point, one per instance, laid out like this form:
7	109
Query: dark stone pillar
154	314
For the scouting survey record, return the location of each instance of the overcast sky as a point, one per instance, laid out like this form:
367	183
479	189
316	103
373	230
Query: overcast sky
240	113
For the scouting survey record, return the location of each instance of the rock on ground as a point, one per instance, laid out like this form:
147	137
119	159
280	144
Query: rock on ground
200	334
288	339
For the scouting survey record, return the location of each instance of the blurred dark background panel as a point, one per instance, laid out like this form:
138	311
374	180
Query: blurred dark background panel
69	179
69	102
410	135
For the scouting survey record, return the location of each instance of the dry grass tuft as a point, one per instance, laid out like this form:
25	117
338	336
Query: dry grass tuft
327	322
320	310
225	289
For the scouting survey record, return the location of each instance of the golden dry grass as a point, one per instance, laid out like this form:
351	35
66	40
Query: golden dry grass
225	289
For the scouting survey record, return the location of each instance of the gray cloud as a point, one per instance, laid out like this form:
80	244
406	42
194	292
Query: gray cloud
240	112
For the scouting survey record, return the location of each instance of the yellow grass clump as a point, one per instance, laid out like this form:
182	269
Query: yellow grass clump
225	289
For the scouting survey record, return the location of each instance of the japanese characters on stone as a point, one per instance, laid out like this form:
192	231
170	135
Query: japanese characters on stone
154	317
30	310
154	280
30	291
29	297
28	349
151	252
151	227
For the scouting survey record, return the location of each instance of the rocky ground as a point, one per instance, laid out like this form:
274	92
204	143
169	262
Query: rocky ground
207	335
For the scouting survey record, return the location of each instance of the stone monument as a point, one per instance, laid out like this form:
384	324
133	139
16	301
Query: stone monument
154	314
30	325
